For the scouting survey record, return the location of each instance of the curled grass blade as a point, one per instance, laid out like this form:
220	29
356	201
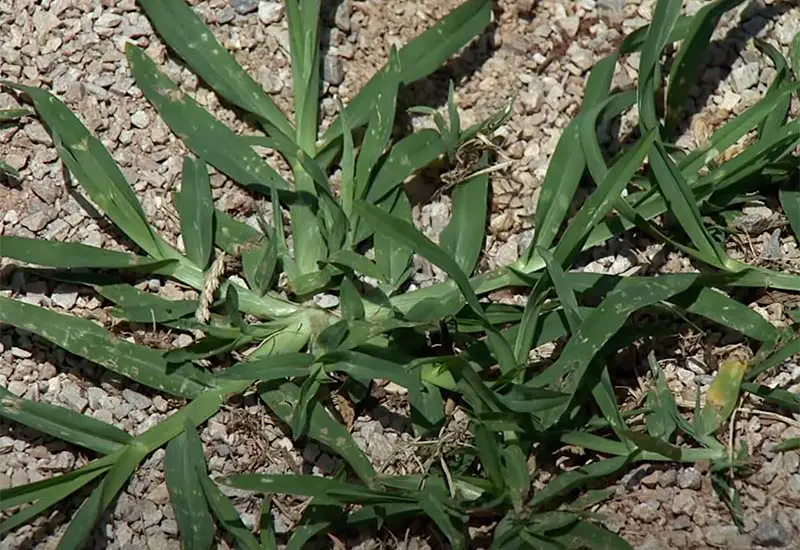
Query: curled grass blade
187	35
665	17
196	209
86	339
78	429
776	117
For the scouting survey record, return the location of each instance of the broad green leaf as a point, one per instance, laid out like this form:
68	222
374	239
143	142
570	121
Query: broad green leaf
187	35
259	264
196	209
435	510
202	133
95	170
71	255
463	236
184	463
89	340
283	400
691	55
65	424
583	534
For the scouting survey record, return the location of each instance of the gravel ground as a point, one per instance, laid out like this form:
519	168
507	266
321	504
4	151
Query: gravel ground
537	51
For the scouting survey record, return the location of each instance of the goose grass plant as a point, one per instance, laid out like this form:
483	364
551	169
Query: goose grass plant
291	347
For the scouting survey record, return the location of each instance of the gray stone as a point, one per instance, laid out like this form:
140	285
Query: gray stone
684	503
108	20
71	396
64	296
140	119
36	221
646	511
333	70
341	18
690	478
244	7
20	353
745	77
270	12
771	533
137	399
151	515
721	535
225	15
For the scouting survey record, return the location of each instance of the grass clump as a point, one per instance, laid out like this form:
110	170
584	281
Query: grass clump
294	349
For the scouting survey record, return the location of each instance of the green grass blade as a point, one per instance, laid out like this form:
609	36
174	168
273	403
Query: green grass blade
324	488
718	307
184	463
90	512
202	133
665	17
794	55
560	183
272	367
196	209
690	56
305	400
576	478
86	339
78	429
95	170
776	117
351	304
405	158
7	115
381	123
226	514
230	233
184	31
420	57
435	510
602	200
683	206
303	19
52	496
463	236
283	400
604	321
259	264
317	518
583	534
391	257
790	202
791	444
68	255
